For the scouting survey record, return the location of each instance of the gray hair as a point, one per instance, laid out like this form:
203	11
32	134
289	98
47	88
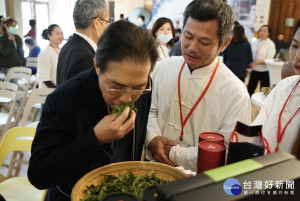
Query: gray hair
205	10
85	10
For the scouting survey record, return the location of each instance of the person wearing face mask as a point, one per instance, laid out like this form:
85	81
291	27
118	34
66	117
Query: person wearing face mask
163	30
11	46
90	19
280	113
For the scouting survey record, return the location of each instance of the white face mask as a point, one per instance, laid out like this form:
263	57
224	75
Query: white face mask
164	38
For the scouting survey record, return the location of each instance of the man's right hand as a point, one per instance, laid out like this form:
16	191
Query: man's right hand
158	146
113	127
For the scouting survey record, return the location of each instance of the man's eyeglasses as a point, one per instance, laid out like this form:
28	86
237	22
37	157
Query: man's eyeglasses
104	20
136	92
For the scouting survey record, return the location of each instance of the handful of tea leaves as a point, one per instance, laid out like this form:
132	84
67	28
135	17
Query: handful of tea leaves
120	108
129	183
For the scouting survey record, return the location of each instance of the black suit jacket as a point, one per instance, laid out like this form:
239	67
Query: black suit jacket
75	56
65	146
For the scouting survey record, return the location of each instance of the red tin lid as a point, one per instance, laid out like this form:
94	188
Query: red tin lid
213	151
211	136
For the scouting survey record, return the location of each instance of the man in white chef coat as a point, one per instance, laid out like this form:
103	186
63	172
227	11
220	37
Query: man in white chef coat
196	92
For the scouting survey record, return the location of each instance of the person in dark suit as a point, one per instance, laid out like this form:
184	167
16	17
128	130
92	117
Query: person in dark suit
90	20
77	132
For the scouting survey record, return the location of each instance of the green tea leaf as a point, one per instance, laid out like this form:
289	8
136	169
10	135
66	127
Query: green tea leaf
120	108
128	183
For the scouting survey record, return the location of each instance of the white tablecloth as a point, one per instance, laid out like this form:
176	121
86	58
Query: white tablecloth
258	98
274	68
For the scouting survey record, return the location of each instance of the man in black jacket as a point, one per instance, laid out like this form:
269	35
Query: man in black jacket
90	19
77	133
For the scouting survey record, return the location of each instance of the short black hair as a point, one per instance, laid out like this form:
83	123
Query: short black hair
123	40
32	23
29	41
142	17
236	23
205	10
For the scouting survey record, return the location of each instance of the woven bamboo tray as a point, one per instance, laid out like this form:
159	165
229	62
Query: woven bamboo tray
136	167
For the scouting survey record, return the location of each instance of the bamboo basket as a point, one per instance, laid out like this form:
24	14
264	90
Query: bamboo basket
136	167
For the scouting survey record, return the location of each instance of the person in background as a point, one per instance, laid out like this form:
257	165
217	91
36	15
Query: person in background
278	42
263	48
90	19
32	32
280	113
177	31
77	133
235	23
122	16
34	51
195	93
163	30
142	22
176	50
11	45
238	54
47	59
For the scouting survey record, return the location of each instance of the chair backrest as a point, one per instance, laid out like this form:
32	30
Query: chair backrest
8	91
31	62
36	96
18	73
16	139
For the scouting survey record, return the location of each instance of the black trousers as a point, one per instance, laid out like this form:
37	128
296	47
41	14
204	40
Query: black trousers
256	76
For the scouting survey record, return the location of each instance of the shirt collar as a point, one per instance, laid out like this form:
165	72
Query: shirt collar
203	71
90	41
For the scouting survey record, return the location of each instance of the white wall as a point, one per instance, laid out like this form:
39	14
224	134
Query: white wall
61	13
2	8
18	16
126	6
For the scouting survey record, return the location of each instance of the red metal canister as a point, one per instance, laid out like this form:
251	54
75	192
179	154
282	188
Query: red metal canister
210	155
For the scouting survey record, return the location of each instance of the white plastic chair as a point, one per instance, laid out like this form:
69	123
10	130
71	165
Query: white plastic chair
23	76
21	73
31	62
8	94
37	96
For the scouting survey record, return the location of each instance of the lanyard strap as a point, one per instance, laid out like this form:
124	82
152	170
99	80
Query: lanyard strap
183	122
279	133
259	46
54	48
